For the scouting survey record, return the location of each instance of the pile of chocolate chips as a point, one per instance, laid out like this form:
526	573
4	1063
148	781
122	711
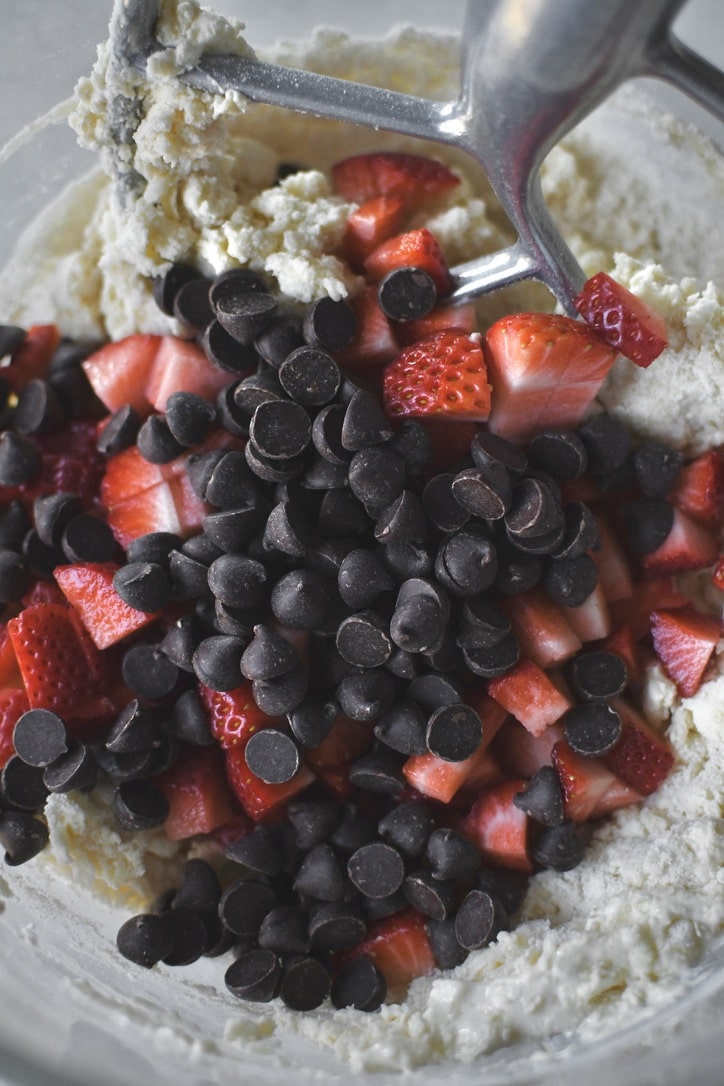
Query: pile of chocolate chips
331	522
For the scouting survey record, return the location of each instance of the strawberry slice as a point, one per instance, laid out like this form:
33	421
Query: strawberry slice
197	793
642	758
498	828
415	249
190	509
591	620
542	628
369	225
689	545
152	510
9	672
519	753
374	343
415	179
586	782
13	703
256	796
399	947
699	489
32	358
622	319
612	565
441	780
528	693
684	641
616	795
442	377
545	371
181	366
118	372
88	587
444	318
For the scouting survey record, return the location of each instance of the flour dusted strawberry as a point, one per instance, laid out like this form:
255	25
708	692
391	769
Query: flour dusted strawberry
622	319
684	641
443	377
414	179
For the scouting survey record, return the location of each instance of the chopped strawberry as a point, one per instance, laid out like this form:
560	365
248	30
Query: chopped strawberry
616	795
591	620
181	366
622	319
542	628
128	474
399	947
190	509
699	489
442	377
152	510
13	703
642	758
197	793
441	780
369	225
585	782
9	673
519	753
415	179
689	545
331	760
374	343
498	828
545	370
32	358
118	372
614	571
233	715
647	596
444	318
256	796
88	587
684	641
415	249
528	693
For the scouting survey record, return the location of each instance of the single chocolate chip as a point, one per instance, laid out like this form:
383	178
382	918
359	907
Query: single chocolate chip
120	432
277	697
432	690
277	341
216	661
20	459
52	513
599	675
327	434
189	936
547	543
38	410
280	429
364	640
189	577
377	869
479	920
486	622
226	353
656	467
88	539
517	572
268	655
259	851
39	737
444	944
230	483
561	453
284	930
376	477
167	286
272	756
451	855
608	443
454	732
310	376
189	417
647	524
22	836
11	336
140	805
77	769
580	531
156	443
353	830
14	526
431	897
134	729
145	939
494	660
570	581
245	314
341	515
238	581
145	586
441	504
509	887
559	847
336	926
592	729
484	492
377	908
366	695
305	984
405	560
363	577
300	599
244	904
14	576
487	449
466	563
202	549
379	770
188	720
403	728
41	558
542	797
255	976
200	889
365	423
236	281
406	294
408	827
21	785
412	443
320	474
289	530
153	547
534	510
320	874
402	521
191	305
147	672
330	324
119	767
313	820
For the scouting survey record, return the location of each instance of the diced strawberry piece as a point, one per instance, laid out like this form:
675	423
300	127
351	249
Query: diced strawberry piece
591	620
369	225
32	358
197	792
128	474
118	373
491	713
689	545
190	509
399	947
648	596
528	693
415	249
699	489
181	366
442	377
331	760
9	672
450	440
519	753
545	370
622	319
415	179
152	510
684	641
642	758
585	781
88	587
623	643
374	344
543	631
256	796
498	828
616	795
614	571
233	715
13	703
444	318
441	780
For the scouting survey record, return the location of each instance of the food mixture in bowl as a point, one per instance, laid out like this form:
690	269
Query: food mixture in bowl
365	646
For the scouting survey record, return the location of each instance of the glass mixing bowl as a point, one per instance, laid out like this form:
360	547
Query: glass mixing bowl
72	1012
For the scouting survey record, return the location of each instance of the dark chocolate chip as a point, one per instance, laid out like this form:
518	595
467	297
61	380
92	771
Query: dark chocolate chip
88	539
534	510
244	904
487	623
153	547
479	920
284	930
561	453
542	797
255	976
134	729
405	560
444	944
559	847
39	737
466	563
336	926
280	429
238	581
20	459
225	352
310	376
189	417
599	675
402	521
592	729
379	770
14	576
191	305
216	661
431	897
234	282
406	294
120	432
145	939
363	577
167	286
377	869
245	314
487	450
52	514
147	672
305	984
366	695
330	324
155	441
320	874
189	937
608	443
580	531
272	756
22	836
408	827
75	770
277	697
38	410
484	492
454	732
441	505
21	785
364	640
140	805
282	336
200	889
313	820
259	851
656	467
143	585
570	581
403	728
451	855
494	660
647	524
